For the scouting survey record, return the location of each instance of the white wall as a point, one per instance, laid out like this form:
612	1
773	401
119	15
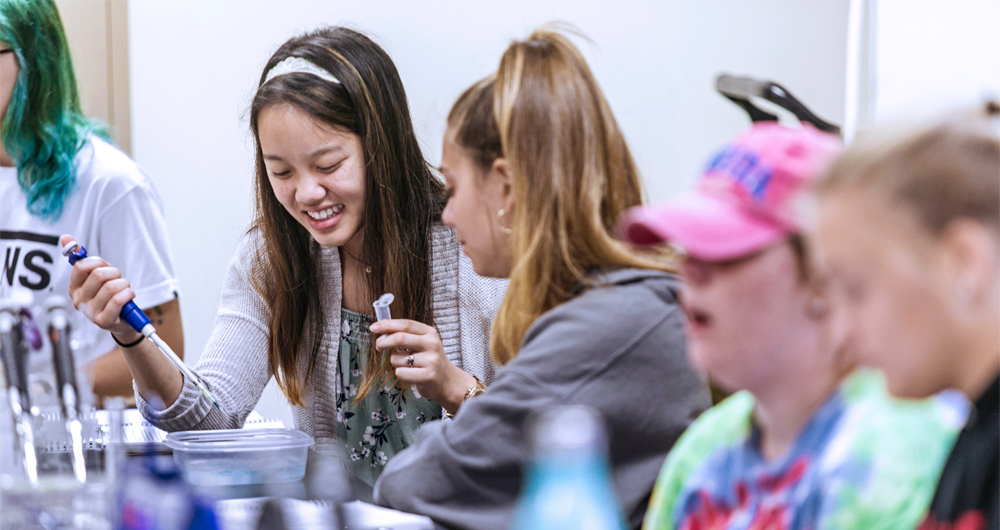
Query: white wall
97	31
194	64
934	54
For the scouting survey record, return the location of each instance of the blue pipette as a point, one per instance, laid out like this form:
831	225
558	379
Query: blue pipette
138	320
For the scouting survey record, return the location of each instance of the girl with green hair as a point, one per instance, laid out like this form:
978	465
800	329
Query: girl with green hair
59	173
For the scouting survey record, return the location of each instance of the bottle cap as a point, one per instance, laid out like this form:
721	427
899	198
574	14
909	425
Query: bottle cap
568	429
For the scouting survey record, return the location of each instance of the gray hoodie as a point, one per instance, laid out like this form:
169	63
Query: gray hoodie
617	346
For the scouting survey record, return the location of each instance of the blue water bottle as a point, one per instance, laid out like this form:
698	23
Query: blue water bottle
568	484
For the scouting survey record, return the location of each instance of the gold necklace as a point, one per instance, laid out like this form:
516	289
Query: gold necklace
368	268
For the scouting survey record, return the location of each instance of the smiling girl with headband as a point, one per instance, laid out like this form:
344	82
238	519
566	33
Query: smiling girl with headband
346	209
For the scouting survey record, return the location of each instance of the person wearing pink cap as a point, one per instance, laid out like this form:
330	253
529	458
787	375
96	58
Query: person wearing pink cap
807	441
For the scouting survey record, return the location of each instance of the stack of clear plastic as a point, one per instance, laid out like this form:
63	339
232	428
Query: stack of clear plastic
46	425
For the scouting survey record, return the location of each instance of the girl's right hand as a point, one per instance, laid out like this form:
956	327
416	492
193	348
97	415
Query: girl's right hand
99	292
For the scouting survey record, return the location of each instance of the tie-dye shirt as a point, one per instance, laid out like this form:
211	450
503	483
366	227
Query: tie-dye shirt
863	460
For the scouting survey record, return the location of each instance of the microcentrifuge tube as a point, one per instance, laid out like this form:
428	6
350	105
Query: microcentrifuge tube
382	307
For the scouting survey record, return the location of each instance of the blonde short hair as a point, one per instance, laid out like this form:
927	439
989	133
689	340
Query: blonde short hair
947	171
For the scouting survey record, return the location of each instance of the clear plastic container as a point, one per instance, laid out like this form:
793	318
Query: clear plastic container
240	456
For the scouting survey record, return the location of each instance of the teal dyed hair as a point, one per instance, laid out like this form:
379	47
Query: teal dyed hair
44	127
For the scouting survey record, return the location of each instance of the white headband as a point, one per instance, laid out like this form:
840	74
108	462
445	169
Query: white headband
298	65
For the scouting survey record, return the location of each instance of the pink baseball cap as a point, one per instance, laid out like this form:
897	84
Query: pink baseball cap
744	201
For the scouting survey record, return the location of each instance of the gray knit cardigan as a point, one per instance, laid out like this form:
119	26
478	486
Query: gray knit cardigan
234	364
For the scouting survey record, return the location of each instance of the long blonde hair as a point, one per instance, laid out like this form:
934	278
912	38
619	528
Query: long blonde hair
573	175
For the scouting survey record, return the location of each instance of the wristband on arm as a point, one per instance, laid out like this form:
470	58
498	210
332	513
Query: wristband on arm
129	345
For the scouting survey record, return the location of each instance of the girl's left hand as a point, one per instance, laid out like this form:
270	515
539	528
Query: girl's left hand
419	359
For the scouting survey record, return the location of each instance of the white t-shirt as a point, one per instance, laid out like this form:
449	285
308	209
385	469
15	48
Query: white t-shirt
116	213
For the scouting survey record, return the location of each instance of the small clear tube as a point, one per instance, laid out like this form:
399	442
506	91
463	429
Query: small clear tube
114	456
113	451
382	307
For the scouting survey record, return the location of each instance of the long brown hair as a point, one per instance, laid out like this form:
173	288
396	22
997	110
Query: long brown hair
572	172
402	199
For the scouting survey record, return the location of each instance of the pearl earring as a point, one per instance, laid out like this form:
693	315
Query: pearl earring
501	226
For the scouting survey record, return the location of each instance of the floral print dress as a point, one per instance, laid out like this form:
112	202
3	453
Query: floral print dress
383	423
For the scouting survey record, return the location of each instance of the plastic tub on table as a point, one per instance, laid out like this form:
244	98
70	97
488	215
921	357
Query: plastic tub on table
240	456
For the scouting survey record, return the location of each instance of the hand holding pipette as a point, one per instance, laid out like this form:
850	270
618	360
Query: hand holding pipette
138	321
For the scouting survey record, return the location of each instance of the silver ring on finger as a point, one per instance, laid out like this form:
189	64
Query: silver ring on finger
409	361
